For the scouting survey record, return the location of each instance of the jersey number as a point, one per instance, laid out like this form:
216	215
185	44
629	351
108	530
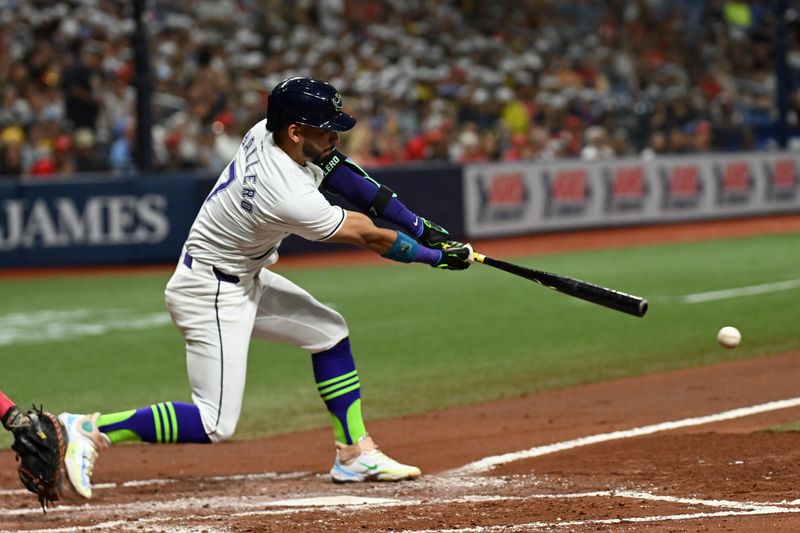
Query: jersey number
224	185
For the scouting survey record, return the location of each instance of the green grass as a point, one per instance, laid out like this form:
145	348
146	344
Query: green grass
785	428
423	339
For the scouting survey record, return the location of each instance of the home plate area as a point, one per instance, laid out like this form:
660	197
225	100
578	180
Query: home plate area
690	454
308	502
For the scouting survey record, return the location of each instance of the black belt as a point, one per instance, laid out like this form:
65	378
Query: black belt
219	274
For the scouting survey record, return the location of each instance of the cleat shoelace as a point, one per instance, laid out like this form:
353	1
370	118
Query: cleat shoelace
90	455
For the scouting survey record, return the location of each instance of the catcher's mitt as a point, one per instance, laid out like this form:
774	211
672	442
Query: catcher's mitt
40	440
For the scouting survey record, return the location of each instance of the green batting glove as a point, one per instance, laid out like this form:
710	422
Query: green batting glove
433	235
455	256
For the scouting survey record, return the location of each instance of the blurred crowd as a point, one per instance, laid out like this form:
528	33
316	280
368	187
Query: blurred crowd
450	80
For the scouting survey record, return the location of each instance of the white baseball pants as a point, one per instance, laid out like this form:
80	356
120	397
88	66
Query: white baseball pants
217	319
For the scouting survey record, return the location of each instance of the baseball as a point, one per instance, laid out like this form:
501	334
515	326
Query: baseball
729	337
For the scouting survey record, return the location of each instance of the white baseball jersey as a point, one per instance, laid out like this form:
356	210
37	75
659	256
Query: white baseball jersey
220	296
259	199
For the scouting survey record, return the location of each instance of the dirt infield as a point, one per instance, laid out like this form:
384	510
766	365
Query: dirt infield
678	451
714	476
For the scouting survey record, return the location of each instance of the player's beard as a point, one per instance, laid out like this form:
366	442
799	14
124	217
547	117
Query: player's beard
311	152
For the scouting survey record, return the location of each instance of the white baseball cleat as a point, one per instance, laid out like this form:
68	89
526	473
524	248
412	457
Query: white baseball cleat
85	441
363	461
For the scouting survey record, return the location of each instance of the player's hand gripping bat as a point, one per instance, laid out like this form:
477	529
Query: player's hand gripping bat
619	301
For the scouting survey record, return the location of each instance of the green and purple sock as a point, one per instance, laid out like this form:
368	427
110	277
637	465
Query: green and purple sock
162	423
337	382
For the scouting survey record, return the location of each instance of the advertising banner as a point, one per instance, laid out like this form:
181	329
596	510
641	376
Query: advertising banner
94	222
147	219
513	198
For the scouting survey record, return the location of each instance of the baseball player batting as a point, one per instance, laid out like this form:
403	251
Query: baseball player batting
222	292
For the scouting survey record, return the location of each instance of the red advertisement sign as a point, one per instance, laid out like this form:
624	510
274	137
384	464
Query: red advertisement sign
568	191
506	189
734	181
503	196
683	188
785	175
626	188
781	179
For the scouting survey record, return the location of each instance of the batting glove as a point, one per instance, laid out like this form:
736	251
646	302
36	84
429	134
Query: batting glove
455	256
433	235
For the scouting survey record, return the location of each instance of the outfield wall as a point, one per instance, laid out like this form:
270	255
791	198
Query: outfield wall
111	220
95	221
506	199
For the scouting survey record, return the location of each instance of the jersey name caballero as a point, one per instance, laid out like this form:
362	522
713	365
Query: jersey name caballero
259	199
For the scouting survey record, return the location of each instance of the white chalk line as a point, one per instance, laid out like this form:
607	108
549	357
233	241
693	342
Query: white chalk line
149	482
118	525
356	504
487	463
530	526
727	294
192	503
247	505
51	325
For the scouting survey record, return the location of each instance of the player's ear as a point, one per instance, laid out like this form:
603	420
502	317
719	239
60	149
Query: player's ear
294	133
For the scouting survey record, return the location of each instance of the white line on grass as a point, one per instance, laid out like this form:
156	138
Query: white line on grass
58	325
727	294
487	463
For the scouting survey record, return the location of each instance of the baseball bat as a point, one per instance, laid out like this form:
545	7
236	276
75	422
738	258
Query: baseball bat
619	301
